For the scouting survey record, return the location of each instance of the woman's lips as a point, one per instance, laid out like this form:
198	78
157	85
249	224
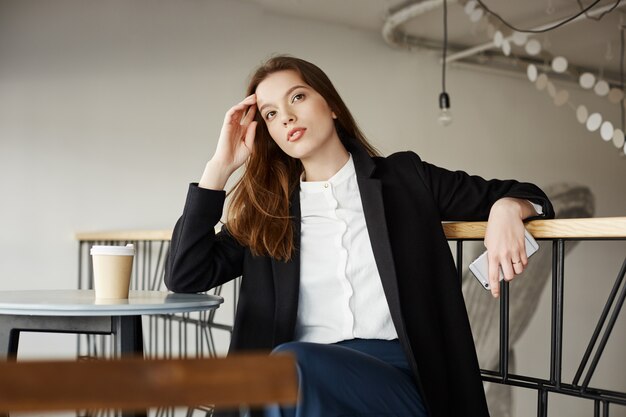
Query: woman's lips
295	134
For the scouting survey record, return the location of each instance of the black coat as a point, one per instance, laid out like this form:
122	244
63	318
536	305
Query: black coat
404	202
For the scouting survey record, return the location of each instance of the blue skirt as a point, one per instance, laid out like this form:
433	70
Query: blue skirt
352	378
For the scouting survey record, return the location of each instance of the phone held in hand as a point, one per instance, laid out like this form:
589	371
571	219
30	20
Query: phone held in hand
480	266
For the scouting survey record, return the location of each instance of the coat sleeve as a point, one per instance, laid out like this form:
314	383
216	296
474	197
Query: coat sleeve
199	259
463	197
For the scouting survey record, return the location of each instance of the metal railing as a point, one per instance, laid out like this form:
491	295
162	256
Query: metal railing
192	334
559	233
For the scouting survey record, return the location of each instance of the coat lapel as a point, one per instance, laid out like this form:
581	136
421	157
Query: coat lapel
374	211
287	283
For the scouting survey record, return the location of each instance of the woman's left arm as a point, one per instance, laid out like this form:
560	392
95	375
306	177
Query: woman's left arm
459	196
504	239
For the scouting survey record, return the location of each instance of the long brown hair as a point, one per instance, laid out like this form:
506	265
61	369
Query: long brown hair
258	215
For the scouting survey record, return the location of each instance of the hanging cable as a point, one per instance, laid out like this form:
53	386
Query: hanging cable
580	4
445	45
445	116
621	74
561	23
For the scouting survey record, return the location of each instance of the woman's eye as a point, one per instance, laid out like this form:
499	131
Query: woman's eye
297	97
270	114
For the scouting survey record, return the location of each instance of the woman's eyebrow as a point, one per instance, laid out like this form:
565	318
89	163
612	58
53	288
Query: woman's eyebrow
295	87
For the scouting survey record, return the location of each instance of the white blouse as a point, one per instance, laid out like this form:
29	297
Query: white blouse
341	294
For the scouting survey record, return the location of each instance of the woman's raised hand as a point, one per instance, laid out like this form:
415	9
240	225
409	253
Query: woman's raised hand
234	145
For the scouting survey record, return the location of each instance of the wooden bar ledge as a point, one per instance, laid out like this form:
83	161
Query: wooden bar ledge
588	228
585	228
134	384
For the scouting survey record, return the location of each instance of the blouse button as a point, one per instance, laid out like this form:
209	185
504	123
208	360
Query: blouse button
325	185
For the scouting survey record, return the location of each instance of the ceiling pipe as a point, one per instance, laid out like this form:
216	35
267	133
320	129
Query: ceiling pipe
413	9
402	14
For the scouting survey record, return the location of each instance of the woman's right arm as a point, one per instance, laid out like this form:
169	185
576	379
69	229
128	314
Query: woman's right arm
200	259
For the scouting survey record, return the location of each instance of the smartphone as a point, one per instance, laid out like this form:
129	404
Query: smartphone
480	266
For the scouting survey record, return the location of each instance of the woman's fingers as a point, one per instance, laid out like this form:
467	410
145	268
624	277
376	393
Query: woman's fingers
507	269
522	254
249	116
519	261
236	113
494	275
250	133
250	98
510	265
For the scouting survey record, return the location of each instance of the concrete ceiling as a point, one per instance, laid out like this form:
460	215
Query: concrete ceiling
588	44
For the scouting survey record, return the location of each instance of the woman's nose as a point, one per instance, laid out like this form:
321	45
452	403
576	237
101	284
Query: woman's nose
288	118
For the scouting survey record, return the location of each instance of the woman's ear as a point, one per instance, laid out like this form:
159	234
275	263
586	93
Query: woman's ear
334	115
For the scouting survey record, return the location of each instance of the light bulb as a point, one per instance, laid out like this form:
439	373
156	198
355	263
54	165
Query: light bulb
445	115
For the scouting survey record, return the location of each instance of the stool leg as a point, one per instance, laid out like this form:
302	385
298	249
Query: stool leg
9	338
129	342
128	335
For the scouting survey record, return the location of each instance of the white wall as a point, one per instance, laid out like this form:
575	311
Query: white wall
108	110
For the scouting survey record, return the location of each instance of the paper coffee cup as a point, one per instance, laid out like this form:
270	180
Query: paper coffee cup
112	266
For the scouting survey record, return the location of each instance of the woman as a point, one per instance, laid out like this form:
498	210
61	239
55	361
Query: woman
342	253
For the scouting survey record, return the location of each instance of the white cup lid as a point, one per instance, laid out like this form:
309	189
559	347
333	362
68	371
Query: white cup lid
128	250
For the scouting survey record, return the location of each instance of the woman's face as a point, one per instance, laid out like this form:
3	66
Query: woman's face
298	118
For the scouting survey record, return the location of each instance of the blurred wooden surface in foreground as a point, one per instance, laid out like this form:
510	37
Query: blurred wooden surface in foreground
134	384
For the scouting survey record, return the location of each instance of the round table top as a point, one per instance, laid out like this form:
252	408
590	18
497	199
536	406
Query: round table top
84	303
